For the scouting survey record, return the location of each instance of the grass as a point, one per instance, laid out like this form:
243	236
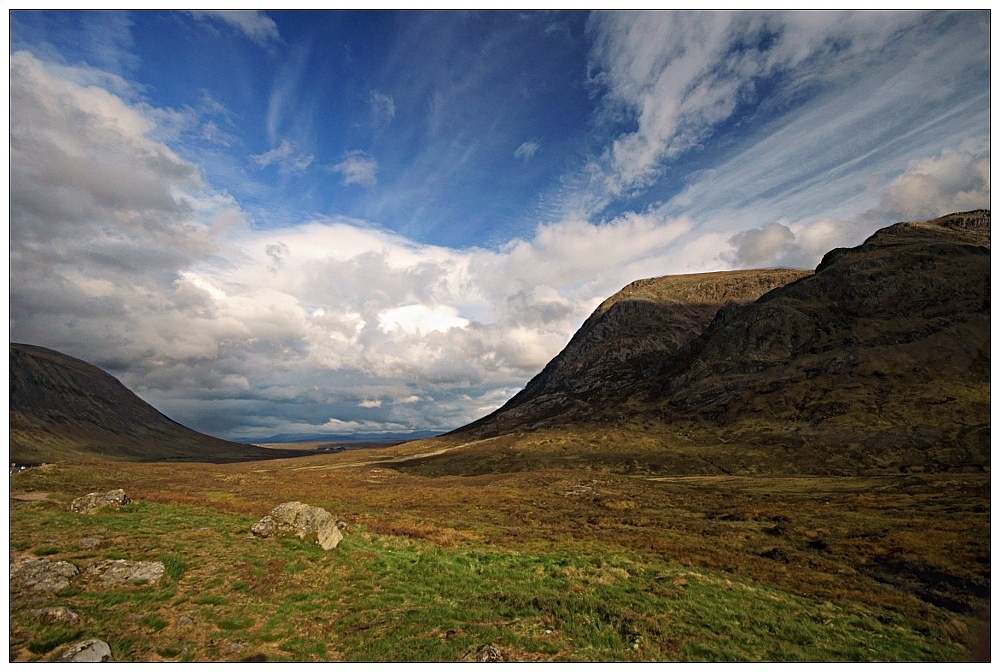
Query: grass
553	564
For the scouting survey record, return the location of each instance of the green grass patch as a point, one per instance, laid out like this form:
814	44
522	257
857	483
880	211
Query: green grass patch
235	623
174	566
52	638
215	600
153	622
45	550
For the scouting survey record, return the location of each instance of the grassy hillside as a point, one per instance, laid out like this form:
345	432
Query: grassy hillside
62	408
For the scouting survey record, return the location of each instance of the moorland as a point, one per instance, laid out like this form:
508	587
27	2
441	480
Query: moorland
772	465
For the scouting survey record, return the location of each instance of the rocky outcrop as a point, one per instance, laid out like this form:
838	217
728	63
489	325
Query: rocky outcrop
115	499
41	574
301	520
87	651
113	572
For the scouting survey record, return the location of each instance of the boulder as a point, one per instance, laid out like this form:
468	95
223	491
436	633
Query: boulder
42	574
301	520
55	615
113	572
87	651
114	499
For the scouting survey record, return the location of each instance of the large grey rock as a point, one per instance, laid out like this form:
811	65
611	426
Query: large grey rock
55	615
301	520
114	499
87	651
113	572
42	574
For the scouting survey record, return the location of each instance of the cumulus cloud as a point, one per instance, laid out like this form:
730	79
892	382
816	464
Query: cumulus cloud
383	107
253	23
526	150
357	168
763	246
286	157
954	181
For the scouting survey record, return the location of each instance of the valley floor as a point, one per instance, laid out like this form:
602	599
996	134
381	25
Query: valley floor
548	564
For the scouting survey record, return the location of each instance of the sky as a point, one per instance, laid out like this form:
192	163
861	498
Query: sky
356	223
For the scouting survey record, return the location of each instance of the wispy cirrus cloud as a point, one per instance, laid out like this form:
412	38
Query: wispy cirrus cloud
253	23
526	150
383	107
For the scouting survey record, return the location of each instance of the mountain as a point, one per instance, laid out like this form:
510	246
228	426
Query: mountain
62	408
879	361
645	322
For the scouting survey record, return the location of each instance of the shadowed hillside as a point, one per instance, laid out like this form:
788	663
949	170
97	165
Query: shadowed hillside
63	408
879	361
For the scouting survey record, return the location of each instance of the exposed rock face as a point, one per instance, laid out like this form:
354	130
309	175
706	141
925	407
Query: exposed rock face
87	651
647	321
89	503
301	520
41	574
114	572
55	615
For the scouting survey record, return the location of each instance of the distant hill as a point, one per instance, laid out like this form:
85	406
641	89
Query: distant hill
878	361
62	408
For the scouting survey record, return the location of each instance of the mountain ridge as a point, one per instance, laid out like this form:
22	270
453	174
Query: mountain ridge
63	408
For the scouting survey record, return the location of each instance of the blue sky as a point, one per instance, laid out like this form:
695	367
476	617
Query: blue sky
347	222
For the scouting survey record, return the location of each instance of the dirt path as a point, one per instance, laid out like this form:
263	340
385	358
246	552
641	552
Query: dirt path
388	460
33	497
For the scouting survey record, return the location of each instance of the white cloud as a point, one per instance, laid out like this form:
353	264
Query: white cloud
253	23
383	107
526	150
287	158
357	168
371	403
420	320
954	181
679	75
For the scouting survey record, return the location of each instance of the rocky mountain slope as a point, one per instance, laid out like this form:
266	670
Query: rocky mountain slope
880	358
647	321
62	408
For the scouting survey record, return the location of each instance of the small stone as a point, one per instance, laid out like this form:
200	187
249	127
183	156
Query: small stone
235	647
127	571
90	542
87	651
488	653
184	620
55	615
94	501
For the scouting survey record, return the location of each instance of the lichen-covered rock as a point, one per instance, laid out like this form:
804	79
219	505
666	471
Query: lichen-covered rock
488	653
87	651
55	615
301	520
42	574
113	572
115	499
